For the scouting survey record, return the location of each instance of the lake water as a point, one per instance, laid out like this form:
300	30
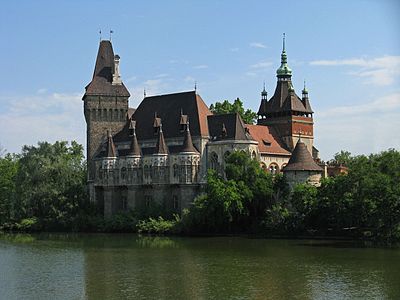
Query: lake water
97	266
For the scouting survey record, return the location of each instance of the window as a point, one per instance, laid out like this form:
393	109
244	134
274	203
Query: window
147	200
253	155
146	172
273	168
175	202
226	154
214	161
176	171
123	173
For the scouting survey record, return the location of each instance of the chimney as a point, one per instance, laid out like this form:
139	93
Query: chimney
116	76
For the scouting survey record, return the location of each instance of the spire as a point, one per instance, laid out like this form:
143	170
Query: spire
134	149
284	69
106	76
305	91
161	146
264	93
111	151
187	142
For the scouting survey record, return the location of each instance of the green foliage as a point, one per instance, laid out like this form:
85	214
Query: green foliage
47	184
235	203
8	172
156	225
248	116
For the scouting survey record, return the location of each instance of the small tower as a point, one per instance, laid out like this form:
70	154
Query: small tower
160	158
286	112
301	167
109	162
134	156
189	159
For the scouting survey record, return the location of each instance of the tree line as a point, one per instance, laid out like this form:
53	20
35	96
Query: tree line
44	189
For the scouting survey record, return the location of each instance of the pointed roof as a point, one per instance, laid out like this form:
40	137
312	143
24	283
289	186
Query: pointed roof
161	146
301	160
187	142
101	83
111	150
232	124
284	70
134	149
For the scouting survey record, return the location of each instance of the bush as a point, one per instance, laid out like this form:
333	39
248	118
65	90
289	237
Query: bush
157	226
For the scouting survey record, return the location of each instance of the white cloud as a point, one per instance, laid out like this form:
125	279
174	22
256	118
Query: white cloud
200	67
360	129
47	117
257	45
234	49
261	65
379	71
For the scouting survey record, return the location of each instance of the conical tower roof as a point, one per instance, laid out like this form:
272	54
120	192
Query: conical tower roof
301	160
161	146
134	149
111	150
187	142
101	83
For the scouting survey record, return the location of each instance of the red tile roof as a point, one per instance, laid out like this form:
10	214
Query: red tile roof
268	141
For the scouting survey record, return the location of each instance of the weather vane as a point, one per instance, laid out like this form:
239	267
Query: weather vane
111	32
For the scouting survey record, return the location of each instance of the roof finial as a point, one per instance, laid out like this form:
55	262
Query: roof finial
144	92
111	32
195	86
284	36
264	86
100	34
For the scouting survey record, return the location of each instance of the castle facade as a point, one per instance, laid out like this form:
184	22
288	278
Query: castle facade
159	153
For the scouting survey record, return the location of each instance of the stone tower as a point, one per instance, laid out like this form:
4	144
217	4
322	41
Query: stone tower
290	116
105	104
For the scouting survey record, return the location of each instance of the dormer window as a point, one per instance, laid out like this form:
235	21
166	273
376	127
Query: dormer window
183	122
266	142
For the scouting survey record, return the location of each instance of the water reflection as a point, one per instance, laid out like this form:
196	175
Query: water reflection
136	267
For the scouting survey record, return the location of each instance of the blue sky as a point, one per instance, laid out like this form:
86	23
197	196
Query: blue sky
347	51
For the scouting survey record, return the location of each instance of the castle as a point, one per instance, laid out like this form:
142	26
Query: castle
159	152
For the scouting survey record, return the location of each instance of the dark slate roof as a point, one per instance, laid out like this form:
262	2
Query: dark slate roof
101	83
111	151
282	100
187	142
293	103
301	160
168	108
235	129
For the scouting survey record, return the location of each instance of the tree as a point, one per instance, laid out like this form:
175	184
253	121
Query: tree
8	172
51	183
248	116
343	157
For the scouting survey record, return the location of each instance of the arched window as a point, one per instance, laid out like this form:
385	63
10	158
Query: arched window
104	114
123	173
214	161
253	155
176	171
110	114
115	114
226	154
99	115
146	172
264	167
273	168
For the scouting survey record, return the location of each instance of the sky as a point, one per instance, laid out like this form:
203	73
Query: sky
348	52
